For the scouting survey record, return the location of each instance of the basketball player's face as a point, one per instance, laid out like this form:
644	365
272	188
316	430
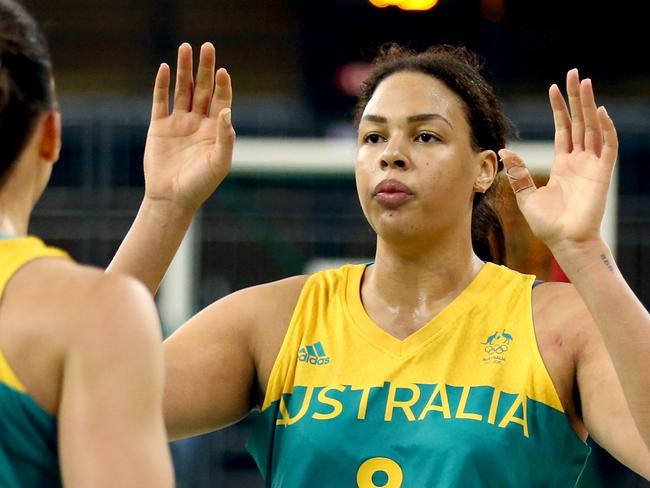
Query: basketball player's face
415	166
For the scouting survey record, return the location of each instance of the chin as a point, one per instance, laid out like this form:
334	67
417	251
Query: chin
394	227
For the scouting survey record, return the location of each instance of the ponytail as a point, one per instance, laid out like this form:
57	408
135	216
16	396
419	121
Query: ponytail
488	238
4	85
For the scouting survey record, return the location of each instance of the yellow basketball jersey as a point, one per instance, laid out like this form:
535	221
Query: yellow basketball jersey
28	437
464	401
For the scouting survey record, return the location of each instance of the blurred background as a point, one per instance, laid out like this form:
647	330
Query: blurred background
290	204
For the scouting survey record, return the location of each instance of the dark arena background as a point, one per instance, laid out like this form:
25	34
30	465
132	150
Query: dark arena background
289	205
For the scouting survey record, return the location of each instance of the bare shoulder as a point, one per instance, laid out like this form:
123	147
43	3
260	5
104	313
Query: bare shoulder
223	355
280	290
256	317
562	320
259	316
261	304
75	298
559	307
54	309
563	326
272	304
551	292
271	299
280	299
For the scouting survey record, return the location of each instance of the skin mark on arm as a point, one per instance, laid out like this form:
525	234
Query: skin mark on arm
606	262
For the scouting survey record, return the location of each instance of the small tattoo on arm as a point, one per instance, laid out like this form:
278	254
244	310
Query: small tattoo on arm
606	262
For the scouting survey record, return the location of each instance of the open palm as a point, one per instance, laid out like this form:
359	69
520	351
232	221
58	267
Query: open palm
570	207
189	152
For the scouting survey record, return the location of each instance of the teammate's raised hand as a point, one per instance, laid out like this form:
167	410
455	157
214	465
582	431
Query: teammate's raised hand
189	151
570	208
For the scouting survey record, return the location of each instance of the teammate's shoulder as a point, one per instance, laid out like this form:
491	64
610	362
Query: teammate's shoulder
70	293
77	307
74	283
114	313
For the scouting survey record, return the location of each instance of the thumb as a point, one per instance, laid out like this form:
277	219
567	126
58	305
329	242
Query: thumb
222	154
521	182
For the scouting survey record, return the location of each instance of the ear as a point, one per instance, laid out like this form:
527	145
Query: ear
487	168
50	140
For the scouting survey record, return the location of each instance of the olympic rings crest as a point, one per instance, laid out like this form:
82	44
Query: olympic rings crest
498	349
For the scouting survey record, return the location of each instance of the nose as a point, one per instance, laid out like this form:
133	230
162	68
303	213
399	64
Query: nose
395	154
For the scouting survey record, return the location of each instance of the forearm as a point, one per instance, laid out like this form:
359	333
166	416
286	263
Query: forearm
623	321
150	245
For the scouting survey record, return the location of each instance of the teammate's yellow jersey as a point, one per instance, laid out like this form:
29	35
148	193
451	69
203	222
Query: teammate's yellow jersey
465	401
28	435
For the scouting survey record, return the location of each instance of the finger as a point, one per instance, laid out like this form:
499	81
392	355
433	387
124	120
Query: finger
521	182
225	139
204	80
160	103
610	139
577	121
561	119
593	133
184	79
222	96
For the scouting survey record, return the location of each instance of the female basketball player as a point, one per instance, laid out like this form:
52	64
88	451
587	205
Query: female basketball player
81	374
430	367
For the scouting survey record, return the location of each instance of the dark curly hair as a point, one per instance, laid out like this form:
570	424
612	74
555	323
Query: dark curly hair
25	81
460	70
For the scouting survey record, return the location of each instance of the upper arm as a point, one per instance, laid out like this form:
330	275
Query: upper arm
605	411
209	369
212	362
111	430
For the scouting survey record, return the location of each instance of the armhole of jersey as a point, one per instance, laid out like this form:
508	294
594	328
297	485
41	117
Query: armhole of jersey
280	366
539	360
8	376
8	372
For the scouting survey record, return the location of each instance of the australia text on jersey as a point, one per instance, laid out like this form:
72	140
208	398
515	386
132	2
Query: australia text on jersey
413	402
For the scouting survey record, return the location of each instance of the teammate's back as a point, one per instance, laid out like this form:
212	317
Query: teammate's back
79	357
81	376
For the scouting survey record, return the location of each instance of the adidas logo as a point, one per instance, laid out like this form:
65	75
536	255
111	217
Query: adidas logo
314	354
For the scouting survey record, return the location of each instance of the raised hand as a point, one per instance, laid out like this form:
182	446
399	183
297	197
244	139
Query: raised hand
189	152
570	208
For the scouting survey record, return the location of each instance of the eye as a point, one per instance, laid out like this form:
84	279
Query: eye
373	139
426	137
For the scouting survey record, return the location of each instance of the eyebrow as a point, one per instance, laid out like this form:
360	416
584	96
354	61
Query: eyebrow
413	118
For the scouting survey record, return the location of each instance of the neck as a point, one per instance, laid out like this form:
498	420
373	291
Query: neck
14	214
425	277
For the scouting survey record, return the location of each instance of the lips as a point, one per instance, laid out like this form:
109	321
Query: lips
392	193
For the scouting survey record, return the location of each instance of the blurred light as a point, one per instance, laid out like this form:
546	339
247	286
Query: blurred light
406	4
350	76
